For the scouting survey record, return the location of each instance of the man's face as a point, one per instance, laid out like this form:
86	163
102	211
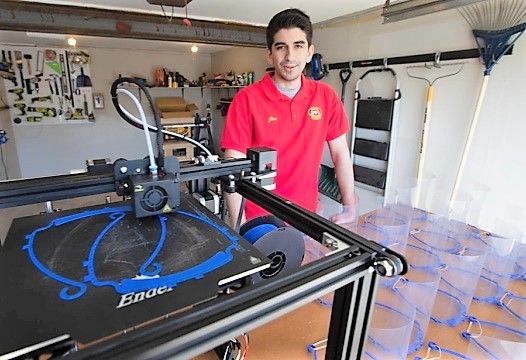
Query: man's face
289	54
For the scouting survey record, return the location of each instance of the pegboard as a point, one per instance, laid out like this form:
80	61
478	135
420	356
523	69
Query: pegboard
47	85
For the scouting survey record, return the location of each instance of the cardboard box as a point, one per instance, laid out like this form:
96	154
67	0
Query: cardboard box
181	130
176	120
184	151
175	107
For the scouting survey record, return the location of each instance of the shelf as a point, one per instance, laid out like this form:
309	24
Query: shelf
193	87
226	87
182	88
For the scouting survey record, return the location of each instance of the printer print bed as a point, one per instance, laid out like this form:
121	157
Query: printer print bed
32	307
125	247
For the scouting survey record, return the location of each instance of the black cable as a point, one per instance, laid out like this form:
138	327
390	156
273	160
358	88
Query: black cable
3	162
115	101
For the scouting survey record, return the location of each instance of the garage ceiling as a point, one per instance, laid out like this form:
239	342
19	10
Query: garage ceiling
255	12
216	24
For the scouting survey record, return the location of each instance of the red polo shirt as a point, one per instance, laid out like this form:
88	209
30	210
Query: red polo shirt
297	128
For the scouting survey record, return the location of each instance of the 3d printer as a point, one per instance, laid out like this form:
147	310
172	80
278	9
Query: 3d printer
148	277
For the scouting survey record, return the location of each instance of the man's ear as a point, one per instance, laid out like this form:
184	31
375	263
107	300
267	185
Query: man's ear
310	53
269	57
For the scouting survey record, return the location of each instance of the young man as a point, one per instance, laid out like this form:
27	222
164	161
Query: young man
294	115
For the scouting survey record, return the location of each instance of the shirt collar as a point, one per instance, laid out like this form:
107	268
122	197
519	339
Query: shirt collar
272	92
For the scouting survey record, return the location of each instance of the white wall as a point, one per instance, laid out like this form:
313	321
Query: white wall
498	156
238	59
55	149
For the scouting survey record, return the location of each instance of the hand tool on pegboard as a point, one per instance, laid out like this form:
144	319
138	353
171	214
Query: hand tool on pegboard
28	58
34	118
63	78
29	88
83	80
86	110
18	92
40	63
19	65
12	70
48	80
21	107
34	81
41	99
46	111
68	77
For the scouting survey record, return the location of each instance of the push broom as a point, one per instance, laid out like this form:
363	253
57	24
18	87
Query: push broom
496	25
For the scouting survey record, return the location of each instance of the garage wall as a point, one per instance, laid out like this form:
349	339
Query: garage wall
497	159
239	59
55	149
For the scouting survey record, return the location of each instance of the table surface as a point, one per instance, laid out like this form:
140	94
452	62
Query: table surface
288	336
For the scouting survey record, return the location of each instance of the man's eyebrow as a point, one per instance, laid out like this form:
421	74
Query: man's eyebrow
295	43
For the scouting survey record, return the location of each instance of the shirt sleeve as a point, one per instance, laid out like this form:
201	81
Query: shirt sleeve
338	121
237	132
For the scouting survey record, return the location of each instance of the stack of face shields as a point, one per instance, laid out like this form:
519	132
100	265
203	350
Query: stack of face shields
431	232
498	268
314	251
391	327
417	288
504	339
394	222
459	277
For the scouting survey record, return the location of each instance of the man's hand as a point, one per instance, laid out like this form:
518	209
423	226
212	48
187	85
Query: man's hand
348	214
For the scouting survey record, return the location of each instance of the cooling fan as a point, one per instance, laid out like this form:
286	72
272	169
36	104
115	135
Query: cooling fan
153	197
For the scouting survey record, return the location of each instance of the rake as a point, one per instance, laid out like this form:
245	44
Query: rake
427	113
496	25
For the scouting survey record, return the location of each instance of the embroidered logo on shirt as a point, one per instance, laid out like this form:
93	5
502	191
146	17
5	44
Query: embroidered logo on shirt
314	113
272	119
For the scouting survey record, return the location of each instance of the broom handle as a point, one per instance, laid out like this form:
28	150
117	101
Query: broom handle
423	144
468	140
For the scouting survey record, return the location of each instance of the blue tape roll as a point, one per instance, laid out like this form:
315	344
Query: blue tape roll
258	231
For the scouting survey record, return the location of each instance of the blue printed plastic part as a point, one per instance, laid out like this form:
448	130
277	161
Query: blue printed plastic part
433	346
143	270
459	315
399	353
66	293
470	337
497	294
455	248
516	332
146	279
432	262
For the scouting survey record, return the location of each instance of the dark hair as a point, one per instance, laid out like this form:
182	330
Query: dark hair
286	19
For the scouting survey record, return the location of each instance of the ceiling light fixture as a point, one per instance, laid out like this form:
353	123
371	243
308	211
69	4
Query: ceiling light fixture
45	35
402	10
72	41
194	48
